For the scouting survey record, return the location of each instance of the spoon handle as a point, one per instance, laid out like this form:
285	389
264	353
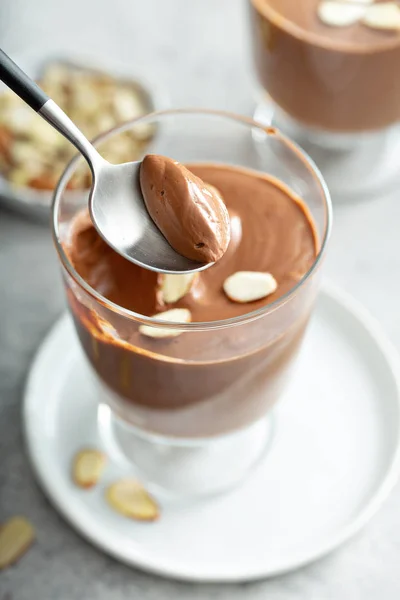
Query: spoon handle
20	83
15	78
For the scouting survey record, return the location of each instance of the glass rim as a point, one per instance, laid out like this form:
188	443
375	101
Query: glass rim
198	325
322	42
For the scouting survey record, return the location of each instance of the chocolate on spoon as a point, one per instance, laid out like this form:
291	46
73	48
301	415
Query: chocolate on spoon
116	202
190	214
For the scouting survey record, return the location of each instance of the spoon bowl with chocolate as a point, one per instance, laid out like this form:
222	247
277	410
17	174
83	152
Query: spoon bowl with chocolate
182	361
181	227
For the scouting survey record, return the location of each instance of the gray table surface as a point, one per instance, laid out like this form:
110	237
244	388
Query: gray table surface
179	43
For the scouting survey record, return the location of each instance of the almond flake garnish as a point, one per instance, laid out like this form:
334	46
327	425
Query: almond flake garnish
16	535
385	15
177	315
129	498
174	287
88	467
342	14
247	286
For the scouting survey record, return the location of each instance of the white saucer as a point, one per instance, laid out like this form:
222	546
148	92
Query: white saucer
333	461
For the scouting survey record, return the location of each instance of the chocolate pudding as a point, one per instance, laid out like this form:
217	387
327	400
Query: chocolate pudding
332	78
191	215
201	381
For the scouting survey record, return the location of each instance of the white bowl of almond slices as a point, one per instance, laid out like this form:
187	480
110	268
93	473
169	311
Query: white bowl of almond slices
33	155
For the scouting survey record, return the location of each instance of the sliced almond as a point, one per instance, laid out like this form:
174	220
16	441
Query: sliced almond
19	119
131	499
56	74
22	152
385	15
177	315
341	14
6	140
143	131
16	535
19	177
127	105
88	467
174	287
46	181
247	286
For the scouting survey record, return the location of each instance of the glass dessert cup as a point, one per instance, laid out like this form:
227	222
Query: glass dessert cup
336	95
191	416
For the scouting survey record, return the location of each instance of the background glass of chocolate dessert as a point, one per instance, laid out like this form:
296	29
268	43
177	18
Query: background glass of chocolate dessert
327	75
191	412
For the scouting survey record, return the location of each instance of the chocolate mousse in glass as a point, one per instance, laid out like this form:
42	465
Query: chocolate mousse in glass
187	400
328	76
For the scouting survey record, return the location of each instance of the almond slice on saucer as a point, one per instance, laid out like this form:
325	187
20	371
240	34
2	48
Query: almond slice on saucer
247	286
174	287
178	315
129	498
16	535
88	467
341	14
385	15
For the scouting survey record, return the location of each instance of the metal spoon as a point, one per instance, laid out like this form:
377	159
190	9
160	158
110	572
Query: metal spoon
116	203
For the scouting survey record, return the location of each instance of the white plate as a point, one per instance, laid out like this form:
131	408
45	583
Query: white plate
333	461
